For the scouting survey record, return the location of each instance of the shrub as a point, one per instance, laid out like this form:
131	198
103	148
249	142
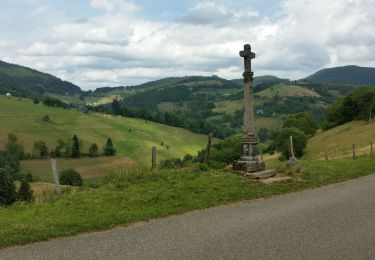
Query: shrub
171	163
93	151
188	158
281	141
24	192
225	151
45	118
70	177
203	167
7	189
109	150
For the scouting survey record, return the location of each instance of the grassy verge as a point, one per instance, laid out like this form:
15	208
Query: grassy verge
131	197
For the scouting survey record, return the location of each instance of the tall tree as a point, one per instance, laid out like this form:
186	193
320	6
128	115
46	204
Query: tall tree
24	192
76	152
14	148
7	189
93	151
40	148
109	150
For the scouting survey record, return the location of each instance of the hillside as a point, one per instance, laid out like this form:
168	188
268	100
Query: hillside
345	75
337	142
213	104
25	82
266	79
133	138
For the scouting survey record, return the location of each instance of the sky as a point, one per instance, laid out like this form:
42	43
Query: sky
97	43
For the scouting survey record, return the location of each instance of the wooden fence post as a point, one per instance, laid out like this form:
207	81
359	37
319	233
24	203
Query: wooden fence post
371	150
326	156
208	152
291	147
353	150
153	159
55	176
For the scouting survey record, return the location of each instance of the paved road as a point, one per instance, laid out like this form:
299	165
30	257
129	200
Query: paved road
333	222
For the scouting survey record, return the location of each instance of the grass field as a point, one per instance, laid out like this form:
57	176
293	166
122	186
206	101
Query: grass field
139	197
132	138
337	142
283	90
91	169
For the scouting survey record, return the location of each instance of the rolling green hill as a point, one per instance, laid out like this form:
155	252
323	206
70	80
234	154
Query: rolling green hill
25	82
345	75
337	142
133	138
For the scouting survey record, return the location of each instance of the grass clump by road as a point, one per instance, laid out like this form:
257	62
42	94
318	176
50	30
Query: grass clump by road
137	195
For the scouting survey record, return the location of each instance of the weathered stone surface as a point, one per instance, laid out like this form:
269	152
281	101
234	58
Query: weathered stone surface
249	166
293	163
260	174
250	161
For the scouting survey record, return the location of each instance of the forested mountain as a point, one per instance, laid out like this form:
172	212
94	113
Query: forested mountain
25	82
345	75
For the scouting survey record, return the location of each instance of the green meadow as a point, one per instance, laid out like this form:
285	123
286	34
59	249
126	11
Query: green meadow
139	195
133	138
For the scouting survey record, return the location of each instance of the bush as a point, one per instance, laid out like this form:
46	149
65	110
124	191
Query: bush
45	118
109	150
70	177
93	151
7	189
171	163
24	192
281	141
225	151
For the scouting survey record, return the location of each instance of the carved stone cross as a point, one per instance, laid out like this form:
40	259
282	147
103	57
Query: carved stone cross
247	55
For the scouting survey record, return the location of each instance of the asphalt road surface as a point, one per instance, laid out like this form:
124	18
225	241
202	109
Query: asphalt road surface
333	222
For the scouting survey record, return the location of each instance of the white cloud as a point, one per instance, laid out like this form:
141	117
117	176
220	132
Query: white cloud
115	5
119	47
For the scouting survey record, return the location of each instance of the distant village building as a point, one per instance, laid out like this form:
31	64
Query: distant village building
259	112
83	109
8	95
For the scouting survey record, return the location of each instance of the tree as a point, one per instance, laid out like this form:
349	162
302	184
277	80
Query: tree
281	141
40	149
109	150
36	100
93	151
7	189
116	107
76	152
303	121
14	148
9	162
24	192
61	145
70	177
263	134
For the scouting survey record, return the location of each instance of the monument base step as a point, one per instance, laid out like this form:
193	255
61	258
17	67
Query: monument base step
265	174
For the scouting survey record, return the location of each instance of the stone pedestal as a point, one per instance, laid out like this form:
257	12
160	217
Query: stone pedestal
250	160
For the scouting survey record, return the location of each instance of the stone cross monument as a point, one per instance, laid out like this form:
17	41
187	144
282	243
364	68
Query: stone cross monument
250	163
